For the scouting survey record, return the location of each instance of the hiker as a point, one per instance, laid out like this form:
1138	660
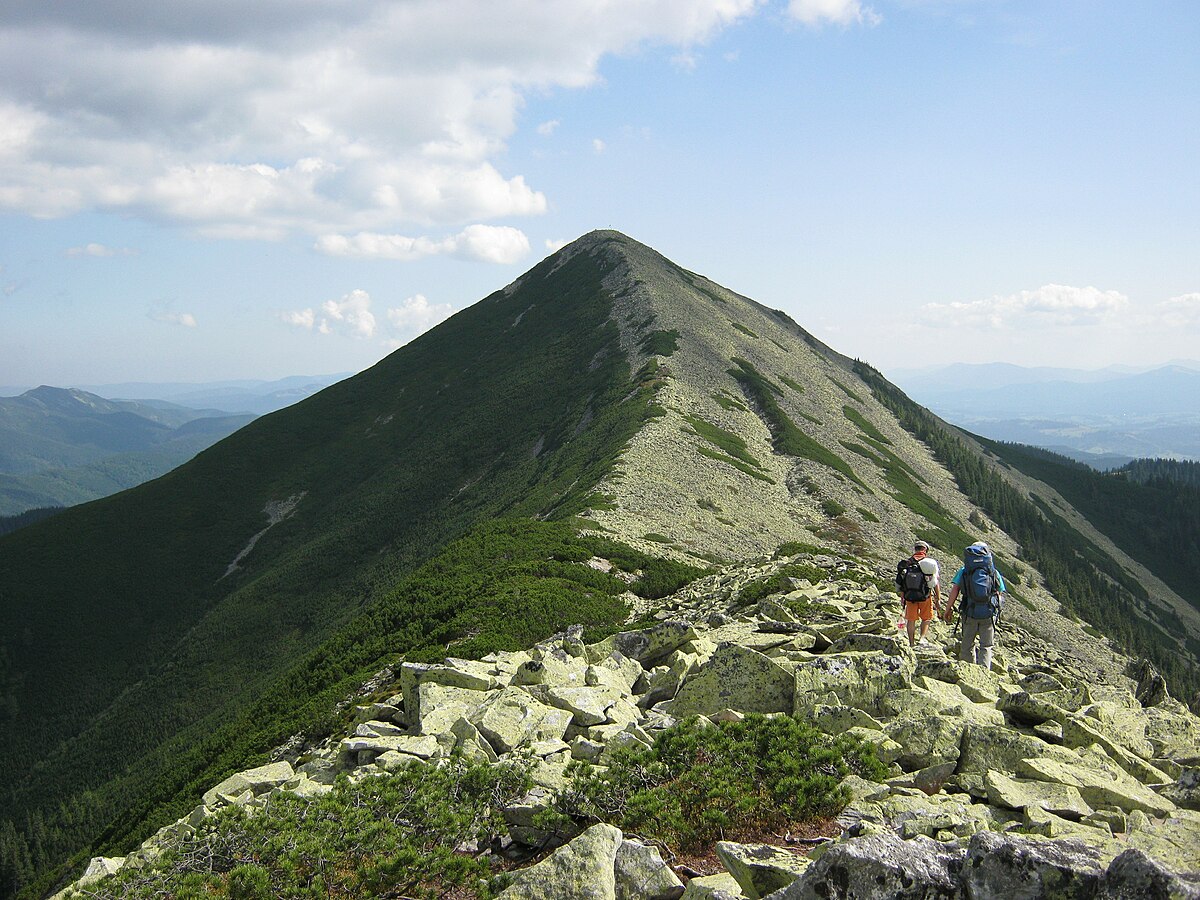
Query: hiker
917	580
982	589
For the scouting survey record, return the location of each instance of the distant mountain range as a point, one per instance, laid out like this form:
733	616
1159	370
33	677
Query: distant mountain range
1104	417
59	447
244	396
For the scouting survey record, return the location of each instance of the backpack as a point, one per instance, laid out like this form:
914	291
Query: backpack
980	587
913	584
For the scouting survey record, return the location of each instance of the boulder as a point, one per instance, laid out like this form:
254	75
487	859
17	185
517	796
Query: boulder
438	706
761	869
1097	787
413	675
879	867
988	747
256	781
721	886
1173	841
641	874
1014	793
735	678
976	682
512	718
854	679
1025	708
1013	866
587	705
581	870
1185	791
1133	874
423	746
834	720
928	741
646	646
554	668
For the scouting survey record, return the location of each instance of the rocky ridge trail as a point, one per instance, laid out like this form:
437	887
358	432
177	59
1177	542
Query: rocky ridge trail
1040	777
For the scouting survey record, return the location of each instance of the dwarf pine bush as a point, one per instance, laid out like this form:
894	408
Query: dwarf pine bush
703	782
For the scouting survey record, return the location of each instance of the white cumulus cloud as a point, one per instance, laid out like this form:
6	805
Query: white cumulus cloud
416	314
1180	312
186	320
839	12
257	121
1051	304
548	128
350	315
484	243
99	250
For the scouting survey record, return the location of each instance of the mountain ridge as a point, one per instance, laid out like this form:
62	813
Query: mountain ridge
607	389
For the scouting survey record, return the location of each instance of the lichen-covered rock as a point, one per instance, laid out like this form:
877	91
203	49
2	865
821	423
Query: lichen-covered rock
1096	786
996	747
927	741
436	706
646	646
580	870
1134	875
735	678
1174	841
641	874
851	679
255	781
511	718
721	886
760	869
1014	793
1185	791
1013	866
880	867
1025	708
976	682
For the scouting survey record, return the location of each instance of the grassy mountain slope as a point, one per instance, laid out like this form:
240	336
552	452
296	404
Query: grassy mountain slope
152	641
125	620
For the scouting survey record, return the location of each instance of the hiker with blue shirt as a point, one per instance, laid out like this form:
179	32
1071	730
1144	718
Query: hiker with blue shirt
981	588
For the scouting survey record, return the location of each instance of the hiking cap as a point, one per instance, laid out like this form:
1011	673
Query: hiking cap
921	545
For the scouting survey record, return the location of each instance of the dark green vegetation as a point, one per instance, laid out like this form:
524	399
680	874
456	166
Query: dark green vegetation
699	784
20	520
781	581
396	835
1178	471
794	385
732	447
127	646
661	343
1085	580
1152	517
785	436
388	836
743	329
61	447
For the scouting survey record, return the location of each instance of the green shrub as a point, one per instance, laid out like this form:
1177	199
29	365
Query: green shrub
393	835
792	548
786	437
661	343
743	329
832	508
702	783
795	386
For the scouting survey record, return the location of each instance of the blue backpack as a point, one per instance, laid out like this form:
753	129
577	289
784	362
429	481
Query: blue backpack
980	587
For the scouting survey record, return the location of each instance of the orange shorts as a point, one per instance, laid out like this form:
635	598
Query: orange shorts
922	611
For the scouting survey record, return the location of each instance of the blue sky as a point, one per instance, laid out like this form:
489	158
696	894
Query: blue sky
209	190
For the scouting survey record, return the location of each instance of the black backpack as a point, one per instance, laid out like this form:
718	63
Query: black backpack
913	584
